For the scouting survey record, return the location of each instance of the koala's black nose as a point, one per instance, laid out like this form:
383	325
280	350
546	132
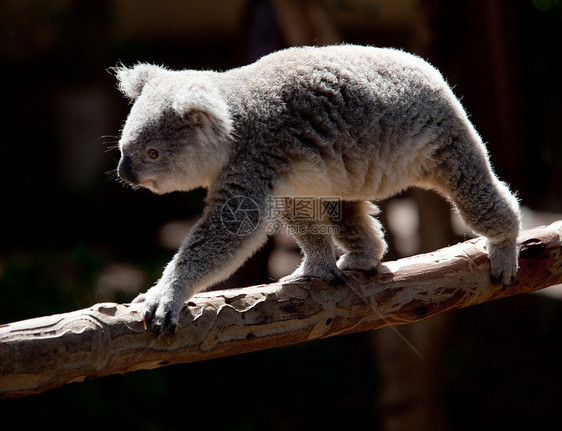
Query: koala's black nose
125	169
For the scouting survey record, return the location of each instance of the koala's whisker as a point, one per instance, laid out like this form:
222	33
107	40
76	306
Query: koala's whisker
112	147
112	175
104	137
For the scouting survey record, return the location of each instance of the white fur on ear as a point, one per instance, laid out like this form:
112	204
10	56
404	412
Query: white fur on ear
131	81
202	105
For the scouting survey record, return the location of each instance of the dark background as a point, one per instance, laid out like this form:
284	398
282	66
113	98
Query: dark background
71	235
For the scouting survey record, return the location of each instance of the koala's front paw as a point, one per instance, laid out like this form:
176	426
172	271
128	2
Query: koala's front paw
504	261
161	307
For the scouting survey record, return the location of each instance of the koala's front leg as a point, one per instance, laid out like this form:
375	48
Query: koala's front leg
229	232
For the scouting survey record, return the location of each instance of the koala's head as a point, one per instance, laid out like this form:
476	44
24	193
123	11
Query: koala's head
177	134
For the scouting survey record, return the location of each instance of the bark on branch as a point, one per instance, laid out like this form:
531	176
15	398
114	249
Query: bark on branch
47	352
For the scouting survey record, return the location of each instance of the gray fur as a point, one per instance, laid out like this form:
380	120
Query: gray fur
345	121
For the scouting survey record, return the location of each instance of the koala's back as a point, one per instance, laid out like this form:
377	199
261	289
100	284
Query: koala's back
356	120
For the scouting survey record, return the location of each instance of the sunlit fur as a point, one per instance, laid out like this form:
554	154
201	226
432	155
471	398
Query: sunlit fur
349	122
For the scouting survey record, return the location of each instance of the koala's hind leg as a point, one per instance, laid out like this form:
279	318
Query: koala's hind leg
360	234
316	242
484	202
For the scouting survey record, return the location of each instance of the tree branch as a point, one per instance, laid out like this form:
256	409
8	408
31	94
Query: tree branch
47	352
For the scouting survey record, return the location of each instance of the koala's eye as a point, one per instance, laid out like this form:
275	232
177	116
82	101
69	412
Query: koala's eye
152	153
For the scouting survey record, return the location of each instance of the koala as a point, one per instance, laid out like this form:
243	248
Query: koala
346	124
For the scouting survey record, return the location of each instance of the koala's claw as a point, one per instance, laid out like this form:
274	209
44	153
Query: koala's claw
160	312
504	262
501	280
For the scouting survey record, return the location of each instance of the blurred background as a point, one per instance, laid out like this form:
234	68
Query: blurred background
72	236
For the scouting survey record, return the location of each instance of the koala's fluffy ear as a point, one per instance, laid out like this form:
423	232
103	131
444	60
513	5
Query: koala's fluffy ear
132	80
202	106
